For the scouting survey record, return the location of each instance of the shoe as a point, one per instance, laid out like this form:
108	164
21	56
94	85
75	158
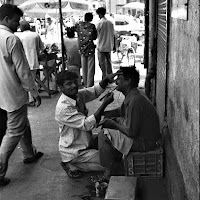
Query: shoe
33	159
4	181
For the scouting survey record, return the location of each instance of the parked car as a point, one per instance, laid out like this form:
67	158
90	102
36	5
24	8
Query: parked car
123	26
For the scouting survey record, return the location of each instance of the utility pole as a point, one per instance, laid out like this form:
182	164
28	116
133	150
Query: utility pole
61	32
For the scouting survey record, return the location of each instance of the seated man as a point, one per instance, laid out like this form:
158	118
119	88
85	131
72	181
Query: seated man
76	141
132	127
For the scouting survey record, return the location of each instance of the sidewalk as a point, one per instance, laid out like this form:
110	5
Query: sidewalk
46	180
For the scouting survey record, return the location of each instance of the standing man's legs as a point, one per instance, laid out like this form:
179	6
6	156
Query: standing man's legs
84	63
3	123
102	63
91	70
18	128
108	63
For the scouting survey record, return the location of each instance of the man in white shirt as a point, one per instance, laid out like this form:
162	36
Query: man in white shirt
15	82
32	45
105	42
76	144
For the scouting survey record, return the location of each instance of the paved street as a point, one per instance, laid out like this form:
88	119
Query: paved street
46	180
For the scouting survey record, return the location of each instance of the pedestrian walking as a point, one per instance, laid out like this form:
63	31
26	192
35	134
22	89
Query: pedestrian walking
87	33
32	45
15	82
105	42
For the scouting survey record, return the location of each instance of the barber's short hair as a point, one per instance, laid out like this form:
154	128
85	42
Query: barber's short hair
88	17
24	25
131	73
65	75
101	10
9	10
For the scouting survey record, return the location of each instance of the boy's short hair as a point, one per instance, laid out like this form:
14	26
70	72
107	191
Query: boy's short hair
65	75
9	10
101	10
131	73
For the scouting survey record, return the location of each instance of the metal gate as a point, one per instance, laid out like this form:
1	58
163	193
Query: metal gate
161	81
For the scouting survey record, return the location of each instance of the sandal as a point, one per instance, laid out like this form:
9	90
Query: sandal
74	174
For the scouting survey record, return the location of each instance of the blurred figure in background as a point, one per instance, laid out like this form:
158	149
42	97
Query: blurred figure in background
32	45
105	42
72	52
131	18
87	33
38	26
51	31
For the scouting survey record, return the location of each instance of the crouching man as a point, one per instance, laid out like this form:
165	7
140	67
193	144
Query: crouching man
76	144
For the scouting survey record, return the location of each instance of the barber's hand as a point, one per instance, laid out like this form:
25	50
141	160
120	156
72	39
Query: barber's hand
37	101
108	123
110	77
109	98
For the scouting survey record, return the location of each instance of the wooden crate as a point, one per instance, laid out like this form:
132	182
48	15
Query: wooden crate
145	164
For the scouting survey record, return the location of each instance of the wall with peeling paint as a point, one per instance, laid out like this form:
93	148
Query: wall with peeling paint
183	96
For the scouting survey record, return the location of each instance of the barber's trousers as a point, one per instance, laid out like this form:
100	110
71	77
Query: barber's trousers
18	130
88	160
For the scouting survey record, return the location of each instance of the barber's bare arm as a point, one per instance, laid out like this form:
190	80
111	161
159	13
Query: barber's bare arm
107	100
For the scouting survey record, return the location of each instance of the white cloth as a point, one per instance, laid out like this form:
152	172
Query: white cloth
74	126
15	74
105	35
119	140
32	44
